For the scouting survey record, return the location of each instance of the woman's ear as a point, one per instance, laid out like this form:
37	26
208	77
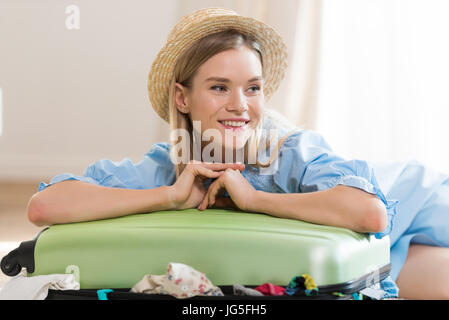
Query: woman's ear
181	98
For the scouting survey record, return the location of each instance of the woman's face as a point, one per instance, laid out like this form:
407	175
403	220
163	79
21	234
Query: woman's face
227	96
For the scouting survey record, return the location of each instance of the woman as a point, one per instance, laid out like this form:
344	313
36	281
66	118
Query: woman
211	80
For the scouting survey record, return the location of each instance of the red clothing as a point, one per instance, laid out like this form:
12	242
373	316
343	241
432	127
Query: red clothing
269	289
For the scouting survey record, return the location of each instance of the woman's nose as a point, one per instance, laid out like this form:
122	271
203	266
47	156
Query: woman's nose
237	103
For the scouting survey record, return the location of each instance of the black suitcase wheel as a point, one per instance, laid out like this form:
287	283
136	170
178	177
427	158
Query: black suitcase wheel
10	267
23	256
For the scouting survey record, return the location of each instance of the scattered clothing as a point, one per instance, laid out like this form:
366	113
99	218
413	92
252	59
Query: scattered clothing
269	289
102	294
181	281
356	296
373	293
302	285
338	294
22	287
388	288
240	290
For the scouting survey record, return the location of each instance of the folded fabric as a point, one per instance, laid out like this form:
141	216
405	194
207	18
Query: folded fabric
301	285
375	292
269	289
240	290
22	287
180	281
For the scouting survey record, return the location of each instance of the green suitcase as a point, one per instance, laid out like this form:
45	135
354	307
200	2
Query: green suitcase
230	247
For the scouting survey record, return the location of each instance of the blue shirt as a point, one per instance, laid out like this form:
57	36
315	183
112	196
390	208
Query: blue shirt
306	163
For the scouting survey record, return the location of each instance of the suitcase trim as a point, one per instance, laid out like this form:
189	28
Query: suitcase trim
325	292
124	294
359	284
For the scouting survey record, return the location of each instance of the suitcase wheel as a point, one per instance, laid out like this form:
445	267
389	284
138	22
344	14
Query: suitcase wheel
10	267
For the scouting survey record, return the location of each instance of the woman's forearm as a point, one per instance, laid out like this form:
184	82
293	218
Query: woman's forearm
76	201
340	206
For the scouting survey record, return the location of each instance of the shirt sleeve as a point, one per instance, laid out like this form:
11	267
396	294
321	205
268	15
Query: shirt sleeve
154	170
307	163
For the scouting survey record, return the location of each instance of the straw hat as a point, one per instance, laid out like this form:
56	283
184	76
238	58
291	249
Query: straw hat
200	24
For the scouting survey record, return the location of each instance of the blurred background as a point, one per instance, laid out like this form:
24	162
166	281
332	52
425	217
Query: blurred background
370	75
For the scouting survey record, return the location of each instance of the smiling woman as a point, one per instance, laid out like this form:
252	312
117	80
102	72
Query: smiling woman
218	69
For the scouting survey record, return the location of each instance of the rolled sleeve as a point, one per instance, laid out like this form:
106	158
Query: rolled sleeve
154	170
373	188
309	164
66	177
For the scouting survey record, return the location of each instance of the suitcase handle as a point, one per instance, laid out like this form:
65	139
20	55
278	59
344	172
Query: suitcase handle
23	256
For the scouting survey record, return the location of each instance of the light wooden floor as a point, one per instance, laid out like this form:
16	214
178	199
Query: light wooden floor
14	224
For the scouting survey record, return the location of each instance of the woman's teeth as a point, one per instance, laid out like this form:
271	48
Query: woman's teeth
234	123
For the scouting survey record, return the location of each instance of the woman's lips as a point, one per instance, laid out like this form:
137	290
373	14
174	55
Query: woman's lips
234	128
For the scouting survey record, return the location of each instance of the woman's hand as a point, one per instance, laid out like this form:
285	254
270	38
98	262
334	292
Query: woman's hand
239	189
188	191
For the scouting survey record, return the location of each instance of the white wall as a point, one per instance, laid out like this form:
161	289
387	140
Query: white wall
383	91
71	97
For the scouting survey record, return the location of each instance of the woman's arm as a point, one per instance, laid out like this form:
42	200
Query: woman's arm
76	201
341	206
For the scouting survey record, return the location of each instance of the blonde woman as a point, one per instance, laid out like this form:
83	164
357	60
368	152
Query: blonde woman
210	82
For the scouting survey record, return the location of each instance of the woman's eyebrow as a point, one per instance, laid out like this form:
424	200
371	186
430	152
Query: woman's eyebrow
219	79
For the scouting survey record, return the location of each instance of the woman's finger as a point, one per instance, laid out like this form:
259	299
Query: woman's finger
212	190
205	202
193	172
215	193
215	189
222	166
199	170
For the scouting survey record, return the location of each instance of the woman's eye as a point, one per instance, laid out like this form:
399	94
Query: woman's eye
219	88
223	88
255	88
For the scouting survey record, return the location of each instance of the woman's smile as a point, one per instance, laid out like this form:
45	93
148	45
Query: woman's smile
236	124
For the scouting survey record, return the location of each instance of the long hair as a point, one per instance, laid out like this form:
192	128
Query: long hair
184	72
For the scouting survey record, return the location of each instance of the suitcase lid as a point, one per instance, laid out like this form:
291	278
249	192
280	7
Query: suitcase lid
229	246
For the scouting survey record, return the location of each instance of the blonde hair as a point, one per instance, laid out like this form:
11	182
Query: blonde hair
184	72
